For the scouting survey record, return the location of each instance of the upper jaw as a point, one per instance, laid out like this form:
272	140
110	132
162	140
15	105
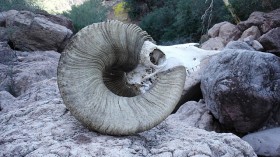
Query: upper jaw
155	59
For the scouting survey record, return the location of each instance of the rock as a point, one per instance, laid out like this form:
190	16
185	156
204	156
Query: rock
7	61
7	102
264	21
3	34
252	43
33	67
253	32
214	31
59	19
5	78
31	32
216	43
242	88
37	123
271	41
257	45
229	32
266	142
239	45
7	55
5	15
192	89
194	114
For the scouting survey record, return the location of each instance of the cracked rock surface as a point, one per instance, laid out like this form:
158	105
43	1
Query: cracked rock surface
37	123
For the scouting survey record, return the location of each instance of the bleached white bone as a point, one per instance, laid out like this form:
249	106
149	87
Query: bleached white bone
187	55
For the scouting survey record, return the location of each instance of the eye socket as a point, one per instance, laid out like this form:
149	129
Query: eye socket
157	57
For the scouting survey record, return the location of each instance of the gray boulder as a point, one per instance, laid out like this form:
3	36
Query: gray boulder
257	45
271	41
229	32
242	88
264	21
194	114
31	32
239	45
59	19
266	142
216	43
252	32
214	31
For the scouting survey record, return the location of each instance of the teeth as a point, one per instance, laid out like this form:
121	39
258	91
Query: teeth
191	70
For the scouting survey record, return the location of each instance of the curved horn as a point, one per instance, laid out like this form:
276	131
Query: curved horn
92	83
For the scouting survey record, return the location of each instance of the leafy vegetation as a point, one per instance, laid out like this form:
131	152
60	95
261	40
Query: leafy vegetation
244	8
139	8
178	21
6	5
89	12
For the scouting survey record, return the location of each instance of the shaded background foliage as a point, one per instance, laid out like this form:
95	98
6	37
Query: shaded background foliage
243	8
179	21
167	21
89	12
18	5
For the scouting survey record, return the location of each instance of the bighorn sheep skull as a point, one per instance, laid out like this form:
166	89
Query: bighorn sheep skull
100	66
155	59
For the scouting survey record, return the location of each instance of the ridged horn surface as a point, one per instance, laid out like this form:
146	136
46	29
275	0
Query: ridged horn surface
92	84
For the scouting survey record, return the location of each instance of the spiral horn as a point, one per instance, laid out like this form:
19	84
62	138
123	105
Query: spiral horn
91	80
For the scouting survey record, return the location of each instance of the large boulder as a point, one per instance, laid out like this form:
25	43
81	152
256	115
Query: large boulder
271	41
264	21
59	19
220	35
31	32
37	123
214	31
265	142
194	114
241	88
229	32
253	33
216	43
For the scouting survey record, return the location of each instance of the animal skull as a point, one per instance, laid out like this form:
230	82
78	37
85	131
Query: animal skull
100	63
155	59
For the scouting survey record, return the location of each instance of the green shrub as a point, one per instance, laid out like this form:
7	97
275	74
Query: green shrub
180	21
243	8
89	12
139	8
29	5
173	21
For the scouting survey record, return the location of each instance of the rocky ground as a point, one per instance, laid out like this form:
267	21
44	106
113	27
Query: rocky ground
35	122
